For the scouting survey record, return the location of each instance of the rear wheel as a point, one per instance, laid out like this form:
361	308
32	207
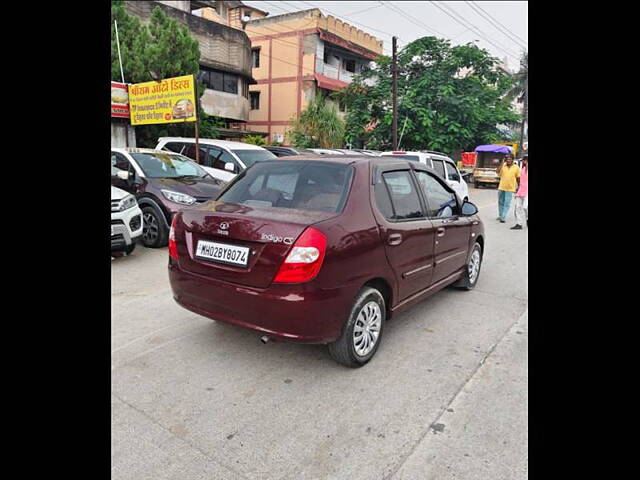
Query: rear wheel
362	331
472	269
154	230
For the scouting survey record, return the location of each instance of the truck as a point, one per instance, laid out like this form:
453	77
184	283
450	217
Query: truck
488	160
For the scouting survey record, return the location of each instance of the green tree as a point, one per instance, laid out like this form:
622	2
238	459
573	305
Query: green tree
319	126
162	49
255	140
448	98
519	92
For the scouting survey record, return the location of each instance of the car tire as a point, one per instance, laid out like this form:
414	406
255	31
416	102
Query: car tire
368	316
472	269
130	248
155	233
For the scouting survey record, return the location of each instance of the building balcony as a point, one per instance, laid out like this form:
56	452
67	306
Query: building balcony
334	73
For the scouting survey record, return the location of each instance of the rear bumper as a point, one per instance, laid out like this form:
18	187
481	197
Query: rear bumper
480	179
299	313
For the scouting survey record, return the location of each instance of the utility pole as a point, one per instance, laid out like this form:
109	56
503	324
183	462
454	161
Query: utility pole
394	72
524	115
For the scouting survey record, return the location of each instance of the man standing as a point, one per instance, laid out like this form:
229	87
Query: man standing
521	206
509	175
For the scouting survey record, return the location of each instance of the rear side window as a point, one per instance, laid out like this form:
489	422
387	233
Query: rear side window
438	166
287	184
404	197
174	147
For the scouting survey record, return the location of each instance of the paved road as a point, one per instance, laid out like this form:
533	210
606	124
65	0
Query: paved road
444	398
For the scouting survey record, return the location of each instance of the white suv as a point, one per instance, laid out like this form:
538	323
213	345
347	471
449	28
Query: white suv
441	164
220	158
126	221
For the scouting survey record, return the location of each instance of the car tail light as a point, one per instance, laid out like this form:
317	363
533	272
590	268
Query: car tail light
305	258
173	249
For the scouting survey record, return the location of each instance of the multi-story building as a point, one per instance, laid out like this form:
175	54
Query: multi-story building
297	56
225	60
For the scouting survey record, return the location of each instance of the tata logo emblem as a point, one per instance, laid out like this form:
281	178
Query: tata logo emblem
224	229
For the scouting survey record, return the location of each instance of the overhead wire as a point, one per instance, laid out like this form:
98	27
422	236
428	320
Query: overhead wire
515	37
415	21
467	24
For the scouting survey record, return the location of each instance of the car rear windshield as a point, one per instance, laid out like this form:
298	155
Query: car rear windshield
413	158
302	185
249	157
166	165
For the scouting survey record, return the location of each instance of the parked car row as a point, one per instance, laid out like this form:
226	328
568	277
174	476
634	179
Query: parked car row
167	178
162	183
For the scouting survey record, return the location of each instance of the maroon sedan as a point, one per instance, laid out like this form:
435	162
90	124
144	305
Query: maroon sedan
324	250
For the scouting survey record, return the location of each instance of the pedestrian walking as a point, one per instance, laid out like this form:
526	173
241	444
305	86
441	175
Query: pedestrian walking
509	174
521	207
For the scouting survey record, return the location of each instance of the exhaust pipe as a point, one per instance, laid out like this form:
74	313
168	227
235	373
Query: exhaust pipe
264	339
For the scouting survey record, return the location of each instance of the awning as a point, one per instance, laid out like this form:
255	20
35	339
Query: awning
329	83
494	149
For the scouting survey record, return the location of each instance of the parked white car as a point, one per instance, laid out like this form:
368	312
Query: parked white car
126	221
326	151
441	164
222	159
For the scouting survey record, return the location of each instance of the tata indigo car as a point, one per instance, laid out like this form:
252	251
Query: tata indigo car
324	249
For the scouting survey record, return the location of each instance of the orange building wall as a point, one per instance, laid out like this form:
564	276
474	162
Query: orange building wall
285	62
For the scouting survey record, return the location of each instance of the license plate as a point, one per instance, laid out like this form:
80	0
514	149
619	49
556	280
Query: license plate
222	253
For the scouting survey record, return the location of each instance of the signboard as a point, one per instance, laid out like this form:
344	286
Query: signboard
167	101
119	100
469	159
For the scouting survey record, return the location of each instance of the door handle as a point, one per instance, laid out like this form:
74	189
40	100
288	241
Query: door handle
394	239
440	231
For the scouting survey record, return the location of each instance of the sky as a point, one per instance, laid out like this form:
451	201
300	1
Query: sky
499	27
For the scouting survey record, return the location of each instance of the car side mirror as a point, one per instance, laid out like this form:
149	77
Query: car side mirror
123	175
469	209
230	167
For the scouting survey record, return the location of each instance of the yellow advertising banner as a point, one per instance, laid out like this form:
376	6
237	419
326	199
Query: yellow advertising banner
167	101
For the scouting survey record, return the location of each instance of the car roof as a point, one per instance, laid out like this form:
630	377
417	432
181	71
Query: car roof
437	155
402	152
143	150
218	143
337	158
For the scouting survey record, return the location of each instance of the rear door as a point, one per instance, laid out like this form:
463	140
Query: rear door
407	234
452	230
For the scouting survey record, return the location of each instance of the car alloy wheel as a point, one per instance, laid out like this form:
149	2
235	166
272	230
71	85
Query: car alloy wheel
367	328
150	228
474	266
